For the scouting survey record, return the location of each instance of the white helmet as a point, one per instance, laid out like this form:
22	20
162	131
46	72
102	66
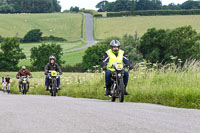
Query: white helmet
114	43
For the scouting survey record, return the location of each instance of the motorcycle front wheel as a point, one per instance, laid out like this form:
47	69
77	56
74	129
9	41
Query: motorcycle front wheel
121	90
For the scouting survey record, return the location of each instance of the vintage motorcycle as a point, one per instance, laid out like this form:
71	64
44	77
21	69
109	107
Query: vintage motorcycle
24	85
117	82
53	87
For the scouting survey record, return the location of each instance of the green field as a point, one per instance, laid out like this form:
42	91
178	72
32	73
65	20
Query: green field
71	58
65	45
168	86
118	26
63	25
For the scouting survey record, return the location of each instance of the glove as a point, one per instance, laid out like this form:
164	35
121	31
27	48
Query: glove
104	68
131	67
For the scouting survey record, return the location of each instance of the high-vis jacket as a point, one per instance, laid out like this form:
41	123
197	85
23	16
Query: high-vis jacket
114	59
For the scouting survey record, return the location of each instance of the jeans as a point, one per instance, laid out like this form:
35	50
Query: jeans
47	81
108	77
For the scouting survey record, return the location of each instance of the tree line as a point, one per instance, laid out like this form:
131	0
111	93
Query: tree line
131	5
29	6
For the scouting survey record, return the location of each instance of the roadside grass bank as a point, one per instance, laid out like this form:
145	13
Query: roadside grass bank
169	85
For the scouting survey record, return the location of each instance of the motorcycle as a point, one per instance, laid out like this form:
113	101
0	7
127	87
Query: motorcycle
6	88
24	85
53	87
117	82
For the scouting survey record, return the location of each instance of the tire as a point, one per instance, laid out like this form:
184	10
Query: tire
24	90
113	98
54	88
8	89
121	90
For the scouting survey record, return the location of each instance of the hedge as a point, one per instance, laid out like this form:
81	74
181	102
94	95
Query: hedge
155	13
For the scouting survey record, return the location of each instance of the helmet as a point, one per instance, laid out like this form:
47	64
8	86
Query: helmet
23	67
52	57
114	43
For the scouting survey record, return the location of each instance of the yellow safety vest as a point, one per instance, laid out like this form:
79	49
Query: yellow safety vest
114	59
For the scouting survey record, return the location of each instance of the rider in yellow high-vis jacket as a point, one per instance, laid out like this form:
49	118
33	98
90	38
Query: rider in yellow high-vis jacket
114	55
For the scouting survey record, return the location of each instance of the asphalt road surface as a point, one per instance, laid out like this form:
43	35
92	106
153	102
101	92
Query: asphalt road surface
45	114
89	34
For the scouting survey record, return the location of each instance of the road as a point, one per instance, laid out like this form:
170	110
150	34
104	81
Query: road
45	114
89	34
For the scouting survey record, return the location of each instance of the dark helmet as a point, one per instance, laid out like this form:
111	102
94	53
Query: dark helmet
52	57
115	43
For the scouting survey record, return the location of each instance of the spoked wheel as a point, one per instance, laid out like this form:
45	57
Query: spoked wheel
121	91
24	90
54	89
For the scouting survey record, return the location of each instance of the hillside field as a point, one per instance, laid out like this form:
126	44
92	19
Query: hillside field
118	26
68	26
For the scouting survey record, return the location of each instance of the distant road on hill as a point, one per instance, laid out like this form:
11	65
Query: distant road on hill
89	34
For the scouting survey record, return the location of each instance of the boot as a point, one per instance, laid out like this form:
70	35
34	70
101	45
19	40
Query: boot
20	88
107	92
125	92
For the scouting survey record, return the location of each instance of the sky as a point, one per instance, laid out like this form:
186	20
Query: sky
90	4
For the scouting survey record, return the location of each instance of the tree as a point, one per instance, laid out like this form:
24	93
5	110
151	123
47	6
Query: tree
93	55
179	42
130	45
32	6
74	9
101	5
10	54
191	5
40	55
34	35
148	5
151	45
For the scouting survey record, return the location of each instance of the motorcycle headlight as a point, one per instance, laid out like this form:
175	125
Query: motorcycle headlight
119	75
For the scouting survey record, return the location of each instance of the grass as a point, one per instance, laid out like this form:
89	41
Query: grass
71	58
169	86
65	45
63	25
118	26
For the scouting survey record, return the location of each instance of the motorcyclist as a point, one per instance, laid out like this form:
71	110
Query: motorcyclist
23	72
52	66
7	79
114	55
3	82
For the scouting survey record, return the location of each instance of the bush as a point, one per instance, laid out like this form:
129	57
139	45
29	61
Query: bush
77	68
154	13
130	45
10	54
93	12
92	56
53	38
40	55
33	36
151	46
160	45
98	15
